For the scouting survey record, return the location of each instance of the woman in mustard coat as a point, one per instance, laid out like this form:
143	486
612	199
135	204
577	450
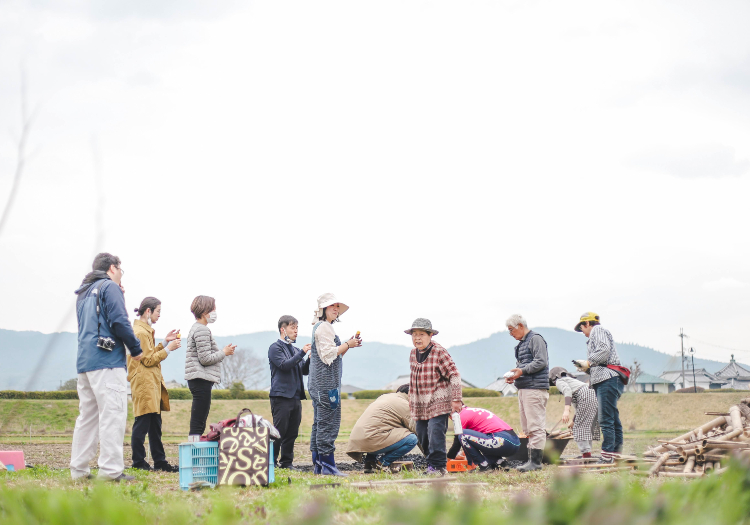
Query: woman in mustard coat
150	396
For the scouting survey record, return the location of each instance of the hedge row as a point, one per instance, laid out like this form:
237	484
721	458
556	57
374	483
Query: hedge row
480	392
689	390
467	392
52	394
247	394
370	394
217	393
175	393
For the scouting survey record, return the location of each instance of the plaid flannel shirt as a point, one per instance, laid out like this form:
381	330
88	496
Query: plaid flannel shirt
433	384
601	352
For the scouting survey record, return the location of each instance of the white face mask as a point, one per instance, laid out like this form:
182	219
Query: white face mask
149	321
212	317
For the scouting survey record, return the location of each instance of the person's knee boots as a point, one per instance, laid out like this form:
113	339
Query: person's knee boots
328	466
534	462
316	463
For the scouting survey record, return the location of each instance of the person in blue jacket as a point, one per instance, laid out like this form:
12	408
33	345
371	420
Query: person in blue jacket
104	336
288	365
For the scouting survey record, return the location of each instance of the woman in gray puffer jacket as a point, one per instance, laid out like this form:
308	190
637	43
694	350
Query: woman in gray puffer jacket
202	363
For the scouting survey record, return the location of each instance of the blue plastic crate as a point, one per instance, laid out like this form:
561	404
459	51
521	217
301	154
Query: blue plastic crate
271	475
199	461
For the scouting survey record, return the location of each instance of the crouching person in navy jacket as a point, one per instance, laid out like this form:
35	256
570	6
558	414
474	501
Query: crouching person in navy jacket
288	365
104	334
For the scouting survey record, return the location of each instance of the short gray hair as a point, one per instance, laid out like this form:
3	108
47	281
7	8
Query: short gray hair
514	320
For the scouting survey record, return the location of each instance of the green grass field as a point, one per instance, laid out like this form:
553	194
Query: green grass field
46	494
639	412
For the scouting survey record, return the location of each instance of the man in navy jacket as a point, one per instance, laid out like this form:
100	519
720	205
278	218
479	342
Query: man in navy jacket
288	365
104	335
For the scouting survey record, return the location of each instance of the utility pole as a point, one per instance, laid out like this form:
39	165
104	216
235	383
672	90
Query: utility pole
682	350
692	356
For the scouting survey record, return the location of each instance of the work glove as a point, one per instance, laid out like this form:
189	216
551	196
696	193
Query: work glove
582	365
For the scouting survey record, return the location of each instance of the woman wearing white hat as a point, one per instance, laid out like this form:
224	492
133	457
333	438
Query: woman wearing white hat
324	383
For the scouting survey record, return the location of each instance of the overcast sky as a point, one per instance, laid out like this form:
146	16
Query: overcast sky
461	161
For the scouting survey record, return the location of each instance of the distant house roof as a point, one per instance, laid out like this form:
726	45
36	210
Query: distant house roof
501	386
734	371
700	374
648	379
581	376
400	380
404	380
349	389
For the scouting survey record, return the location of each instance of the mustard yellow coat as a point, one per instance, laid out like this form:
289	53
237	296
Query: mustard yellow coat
146	382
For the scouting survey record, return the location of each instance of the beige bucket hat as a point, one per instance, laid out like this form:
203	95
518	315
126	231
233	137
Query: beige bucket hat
327	299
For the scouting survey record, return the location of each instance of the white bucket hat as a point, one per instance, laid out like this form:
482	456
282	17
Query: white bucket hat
327	299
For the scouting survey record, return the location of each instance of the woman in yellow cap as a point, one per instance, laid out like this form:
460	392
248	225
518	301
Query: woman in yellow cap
606	381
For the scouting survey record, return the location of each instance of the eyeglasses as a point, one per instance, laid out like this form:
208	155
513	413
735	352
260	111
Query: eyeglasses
121	270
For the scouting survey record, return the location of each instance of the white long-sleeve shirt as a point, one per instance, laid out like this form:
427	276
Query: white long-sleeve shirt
324	343
569	386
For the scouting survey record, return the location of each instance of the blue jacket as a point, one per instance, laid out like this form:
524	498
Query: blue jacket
287	370
111	321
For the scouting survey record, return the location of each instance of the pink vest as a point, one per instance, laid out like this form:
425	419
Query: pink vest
482	420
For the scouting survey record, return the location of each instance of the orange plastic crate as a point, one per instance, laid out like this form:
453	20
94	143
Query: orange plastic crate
459	465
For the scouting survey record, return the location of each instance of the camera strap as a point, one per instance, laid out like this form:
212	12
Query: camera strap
98	306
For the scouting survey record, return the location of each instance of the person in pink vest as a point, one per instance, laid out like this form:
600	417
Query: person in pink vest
485	438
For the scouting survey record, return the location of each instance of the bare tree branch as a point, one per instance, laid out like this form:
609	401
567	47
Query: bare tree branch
243	367
26	121
98	243
635	371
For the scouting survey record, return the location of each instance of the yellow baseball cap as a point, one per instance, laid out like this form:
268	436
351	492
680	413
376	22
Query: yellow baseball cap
587	316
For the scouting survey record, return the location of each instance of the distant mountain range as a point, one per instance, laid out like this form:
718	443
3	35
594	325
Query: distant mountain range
370	367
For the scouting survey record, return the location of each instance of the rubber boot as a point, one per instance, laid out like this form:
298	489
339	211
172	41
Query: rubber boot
328	466
535	460
316	463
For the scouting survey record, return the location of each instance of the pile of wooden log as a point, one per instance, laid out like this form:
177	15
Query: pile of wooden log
560	434
706	448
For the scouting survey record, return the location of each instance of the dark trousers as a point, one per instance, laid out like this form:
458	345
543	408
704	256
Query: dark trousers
607	394
480	447
147	424
287	415
201	390
431	435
